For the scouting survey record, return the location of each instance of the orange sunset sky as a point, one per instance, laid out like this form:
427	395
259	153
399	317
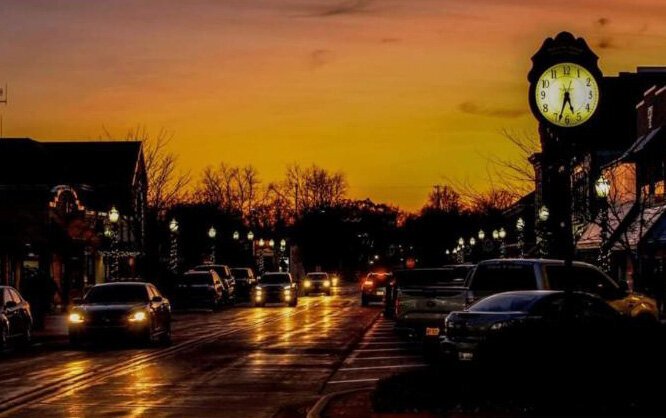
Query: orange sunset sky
398	94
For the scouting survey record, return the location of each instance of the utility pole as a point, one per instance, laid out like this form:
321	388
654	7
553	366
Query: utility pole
3	99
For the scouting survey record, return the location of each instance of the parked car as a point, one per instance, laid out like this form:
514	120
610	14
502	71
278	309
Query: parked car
507	324
244	280
228	281
122	309
422	299
275	287
15	317
316	282
495	276
199	289
374	287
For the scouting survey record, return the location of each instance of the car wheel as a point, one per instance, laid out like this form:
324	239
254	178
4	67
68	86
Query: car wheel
4	336
364	300
27	335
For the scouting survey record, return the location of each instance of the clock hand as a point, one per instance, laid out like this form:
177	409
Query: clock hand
564	102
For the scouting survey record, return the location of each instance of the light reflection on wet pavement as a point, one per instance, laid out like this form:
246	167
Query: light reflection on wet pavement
241	361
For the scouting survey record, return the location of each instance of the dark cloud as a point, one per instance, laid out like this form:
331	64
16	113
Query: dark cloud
607	42
346	7
603	21
320	57
390	40
495	112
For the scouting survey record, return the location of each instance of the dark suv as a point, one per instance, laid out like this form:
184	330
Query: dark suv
199	289
245	281
228	281
374	287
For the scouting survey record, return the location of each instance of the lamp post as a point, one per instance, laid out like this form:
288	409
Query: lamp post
281	257
212	233
173	250
542	231
520	229
602	188
502	235
461	250
114	217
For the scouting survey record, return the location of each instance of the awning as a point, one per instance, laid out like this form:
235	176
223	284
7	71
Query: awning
641	143
590	238
639	227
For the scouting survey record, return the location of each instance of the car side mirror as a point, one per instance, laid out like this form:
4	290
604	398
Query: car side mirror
157	299
10	304
77	301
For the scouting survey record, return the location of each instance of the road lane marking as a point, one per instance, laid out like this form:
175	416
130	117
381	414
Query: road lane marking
382	358
354	380
364	350
398	366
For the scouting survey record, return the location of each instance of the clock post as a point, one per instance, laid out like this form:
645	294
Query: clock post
564	95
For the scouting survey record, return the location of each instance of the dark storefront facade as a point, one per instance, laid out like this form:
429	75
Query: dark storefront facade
55	203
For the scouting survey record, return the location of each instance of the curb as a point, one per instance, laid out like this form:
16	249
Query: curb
322	403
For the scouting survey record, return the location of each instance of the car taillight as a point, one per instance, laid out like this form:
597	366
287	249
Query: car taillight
368	283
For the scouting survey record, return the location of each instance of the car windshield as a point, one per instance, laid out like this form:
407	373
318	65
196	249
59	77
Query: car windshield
505	303
117	294
240	273
502	277
317	276
196	278
220	270
425	277
274	279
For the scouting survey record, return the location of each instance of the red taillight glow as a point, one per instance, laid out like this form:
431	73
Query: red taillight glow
368	283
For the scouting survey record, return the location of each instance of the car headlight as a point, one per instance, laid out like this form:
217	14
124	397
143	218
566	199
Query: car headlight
334	281
327	283
137	316
498	326
287	287
76	318
307	283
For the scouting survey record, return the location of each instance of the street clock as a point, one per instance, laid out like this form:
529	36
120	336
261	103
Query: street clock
567	94
564	83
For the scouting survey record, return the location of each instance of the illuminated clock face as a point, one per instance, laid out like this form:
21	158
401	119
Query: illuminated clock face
567	94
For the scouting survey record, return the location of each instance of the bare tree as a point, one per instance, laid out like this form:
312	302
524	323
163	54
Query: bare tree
235	190
516	173
444	198
166	184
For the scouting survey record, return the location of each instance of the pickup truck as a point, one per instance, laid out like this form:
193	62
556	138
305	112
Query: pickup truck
423	297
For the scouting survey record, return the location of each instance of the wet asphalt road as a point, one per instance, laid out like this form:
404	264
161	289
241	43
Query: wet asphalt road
239	362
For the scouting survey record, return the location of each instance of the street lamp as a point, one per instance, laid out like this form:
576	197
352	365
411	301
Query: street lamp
481	235
501	235
472	241
250	236
236	236
542	231
495	234
261	242
173	251
520	228
114	217
212	233
602	187
271	243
